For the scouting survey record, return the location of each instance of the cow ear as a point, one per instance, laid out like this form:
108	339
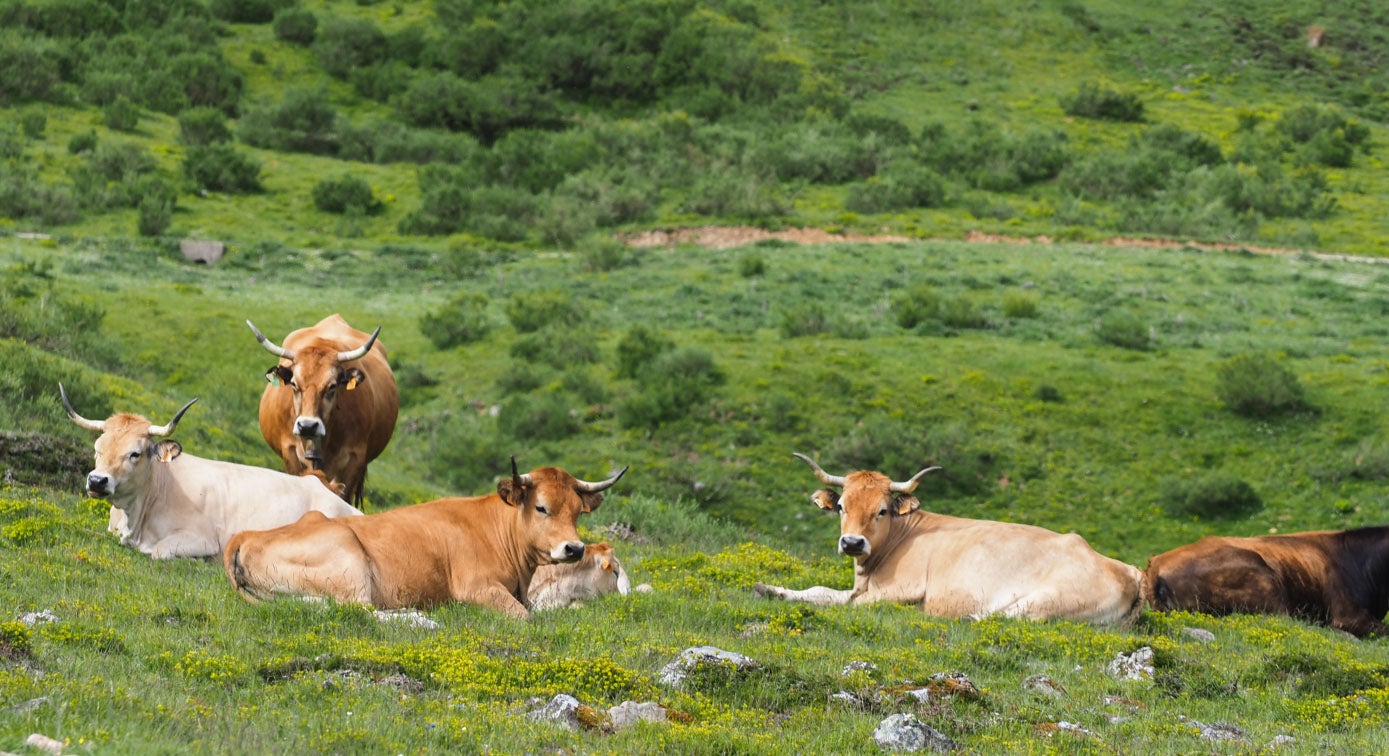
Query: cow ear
590	501
279	375
351	377
826	499
511	493
165	451
905	504
607	564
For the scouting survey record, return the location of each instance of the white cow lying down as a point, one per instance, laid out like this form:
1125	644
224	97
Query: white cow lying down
559	585
169	504
957	567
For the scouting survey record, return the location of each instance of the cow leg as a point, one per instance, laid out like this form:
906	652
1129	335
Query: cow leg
498	597
819	595
313	557
1356	621
119	523
184	543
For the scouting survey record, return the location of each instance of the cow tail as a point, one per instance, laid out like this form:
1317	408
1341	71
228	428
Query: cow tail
1162	599
239	579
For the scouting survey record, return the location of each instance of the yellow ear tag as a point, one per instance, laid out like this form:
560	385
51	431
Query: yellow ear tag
351	383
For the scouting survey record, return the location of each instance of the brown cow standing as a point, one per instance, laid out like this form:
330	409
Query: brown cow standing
332	401
1334	578
481	550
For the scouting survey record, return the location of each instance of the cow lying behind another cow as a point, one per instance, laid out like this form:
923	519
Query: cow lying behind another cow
956	567
1334	578
559	585
168	504
482	550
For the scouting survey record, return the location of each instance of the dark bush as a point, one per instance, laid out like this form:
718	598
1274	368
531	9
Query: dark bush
221	168
752	266
604	254
543	417
208	80
82	141
121	115
462	320
22	195
303	121
1214	496
382	81
915	304
156	212
346	193
737	193
244	11
1092	100
610	196
962	312
558	345
486	108
203	126
345	44
1193	148
638	348
1124	329
900	187
32	123
670	385
295	24
390	142
533	310
1256	385
808	318
30	68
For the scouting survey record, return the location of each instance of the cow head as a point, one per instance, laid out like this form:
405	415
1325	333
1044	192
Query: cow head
551	501
316	373
125	450
607	570
866	506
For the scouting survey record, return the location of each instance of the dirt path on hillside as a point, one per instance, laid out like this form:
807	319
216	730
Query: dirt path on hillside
723	237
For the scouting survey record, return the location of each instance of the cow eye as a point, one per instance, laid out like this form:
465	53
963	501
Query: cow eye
134	456
542	510
882	511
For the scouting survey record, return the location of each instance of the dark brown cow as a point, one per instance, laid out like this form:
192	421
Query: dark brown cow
332	401
1334	578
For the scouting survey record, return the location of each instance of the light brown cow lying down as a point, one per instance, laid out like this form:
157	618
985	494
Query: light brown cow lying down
482	550
167	503
956	567
560	585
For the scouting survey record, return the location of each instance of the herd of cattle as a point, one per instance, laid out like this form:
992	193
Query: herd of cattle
330	408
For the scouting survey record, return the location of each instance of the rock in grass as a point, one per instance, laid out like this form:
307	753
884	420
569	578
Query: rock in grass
629	713
1045	685
906	733
44	743
561	710
1204	636
858	666
1135	666
674	674
409	617
38	618
1217	731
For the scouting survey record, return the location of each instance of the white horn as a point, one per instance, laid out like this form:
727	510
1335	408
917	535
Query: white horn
602	485
826	478
164	430
359	352
94	425
910	485
269	345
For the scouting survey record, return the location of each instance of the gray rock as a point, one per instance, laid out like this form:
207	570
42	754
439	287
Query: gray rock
1072	727
1217	731
28	706
36	618
922	695
561	710
629	713
904	732
1204	636
851	700
674	674
1280	740
1135	666
1044	685
202	251
410	617
858	666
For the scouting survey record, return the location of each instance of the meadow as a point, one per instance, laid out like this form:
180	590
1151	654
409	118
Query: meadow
467	174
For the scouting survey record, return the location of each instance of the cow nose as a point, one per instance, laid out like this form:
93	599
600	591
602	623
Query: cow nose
97	483
852	544
573	552
311	427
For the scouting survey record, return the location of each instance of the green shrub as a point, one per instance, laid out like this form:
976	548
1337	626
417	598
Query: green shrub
82	141
638	348
1093	100
602	255
303	121
806	318
670	385
121	115
752	266
531	311
1019	304
915	304
1256	385
156	206
1124	329
30	68
295	24
462	320
203	126
543	417
519	378
346	44
557	345
346	193
1213	496
221	168
901	186
962	312
33	122
244	11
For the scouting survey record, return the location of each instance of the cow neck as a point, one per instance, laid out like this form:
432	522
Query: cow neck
138	505
900	528
1364	559
515	556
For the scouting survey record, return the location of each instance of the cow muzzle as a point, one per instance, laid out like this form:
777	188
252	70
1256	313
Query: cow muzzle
853	545
309	427
569	551
99	484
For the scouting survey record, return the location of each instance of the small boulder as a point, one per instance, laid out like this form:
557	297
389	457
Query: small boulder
1217	731
858	666
410	617
202	251
44	743
906	733
1196	633
38	618
562	710
674	674
629	713
1135	666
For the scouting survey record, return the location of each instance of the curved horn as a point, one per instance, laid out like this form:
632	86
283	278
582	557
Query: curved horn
359	352
826	478
518	479
269	345
95	425
164	430
602	485
910	484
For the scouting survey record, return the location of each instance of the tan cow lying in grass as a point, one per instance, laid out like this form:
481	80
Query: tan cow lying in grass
168	504
956	567
560	585
481	550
